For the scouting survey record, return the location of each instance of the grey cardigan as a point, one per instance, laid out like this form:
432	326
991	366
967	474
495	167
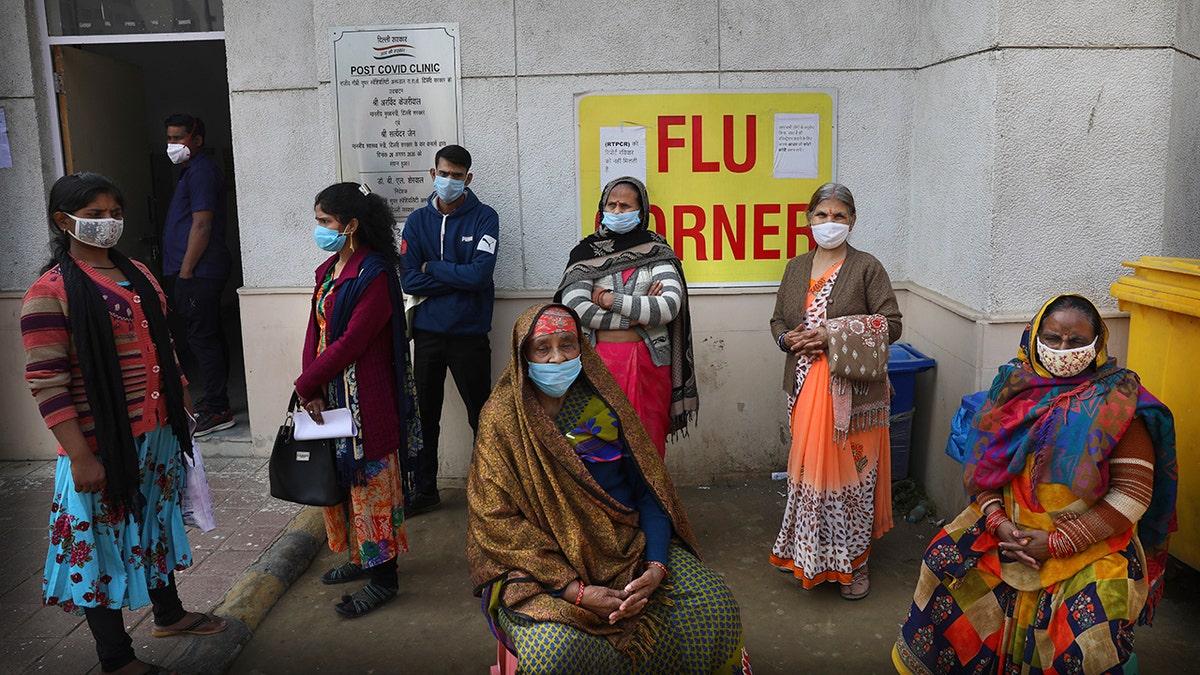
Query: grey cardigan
862	287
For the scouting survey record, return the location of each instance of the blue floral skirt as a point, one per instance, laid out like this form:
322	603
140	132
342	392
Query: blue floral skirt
97	558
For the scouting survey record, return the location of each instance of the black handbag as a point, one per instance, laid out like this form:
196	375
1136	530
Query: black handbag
304	472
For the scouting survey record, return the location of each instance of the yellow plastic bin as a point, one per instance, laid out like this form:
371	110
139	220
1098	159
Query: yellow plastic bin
1163	301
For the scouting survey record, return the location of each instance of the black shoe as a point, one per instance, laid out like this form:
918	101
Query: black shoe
209	421
421	503
344	573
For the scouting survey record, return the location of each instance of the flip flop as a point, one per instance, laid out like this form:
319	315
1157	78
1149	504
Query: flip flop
197	627
859	586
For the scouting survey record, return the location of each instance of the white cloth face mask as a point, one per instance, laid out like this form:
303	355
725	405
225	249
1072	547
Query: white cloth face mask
178	152
830	234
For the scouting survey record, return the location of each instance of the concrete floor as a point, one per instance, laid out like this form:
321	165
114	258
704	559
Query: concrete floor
435	625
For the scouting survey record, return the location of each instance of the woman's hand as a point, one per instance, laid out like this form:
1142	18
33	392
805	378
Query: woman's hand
599	600
808	342
314	408
638	593
88	473
1028	545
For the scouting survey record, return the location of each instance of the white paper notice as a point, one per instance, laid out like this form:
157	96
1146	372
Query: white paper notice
622	153
5	153
797	139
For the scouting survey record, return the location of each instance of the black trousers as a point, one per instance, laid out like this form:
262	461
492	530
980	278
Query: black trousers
469	358
198	302
113	644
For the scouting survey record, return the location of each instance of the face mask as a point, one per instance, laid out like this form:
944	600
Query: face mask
328	240
178	152
1066	362
831	234
554	379
621	222
448	189
99	232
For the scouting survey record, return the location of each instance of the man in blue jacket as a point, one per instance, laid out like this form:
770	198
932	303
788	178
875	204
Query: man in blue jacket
448	254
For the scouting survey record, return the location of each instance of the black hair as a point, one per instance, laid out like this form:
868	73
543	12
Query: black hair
194	125
376	224
1081	305
69	194
455	154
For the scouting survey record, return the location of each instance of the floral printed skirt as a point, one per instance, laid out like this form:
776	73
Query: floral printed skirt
370	525
97	558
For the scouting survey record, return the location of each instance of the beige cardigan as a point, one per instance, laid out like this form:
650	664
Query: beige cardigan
862	287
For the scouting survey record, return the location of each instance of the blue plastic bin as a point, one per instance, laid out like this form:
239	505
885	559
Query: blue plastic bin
904	362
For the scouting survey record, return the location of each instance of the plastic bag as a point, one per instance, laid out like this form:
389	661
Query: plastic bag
960	426
195	500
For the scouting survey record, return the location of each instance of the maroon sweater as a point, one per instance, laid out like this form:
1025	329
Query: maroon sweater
367	343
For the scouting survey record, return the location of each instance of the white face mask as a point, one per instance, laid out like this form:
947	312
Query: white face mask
1066	362
830	234
98	232
178	152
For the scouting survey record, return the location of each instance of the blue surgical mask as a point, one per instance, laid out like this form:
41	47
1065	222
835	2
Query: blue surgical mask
327	239
448	189
554	379
621	222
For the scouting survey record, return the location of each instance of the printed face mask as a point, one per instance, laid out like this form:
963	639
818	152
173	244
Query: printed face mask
831	234
448	189
1066	362
178	152
621	222
554	379
327	239
99	232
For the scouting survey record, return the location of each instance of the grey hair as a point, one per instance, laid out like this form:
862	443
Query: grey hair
832	191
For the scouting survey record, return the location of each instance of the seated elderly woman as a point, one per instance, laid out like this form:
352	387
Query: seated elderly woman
577	541
1042	573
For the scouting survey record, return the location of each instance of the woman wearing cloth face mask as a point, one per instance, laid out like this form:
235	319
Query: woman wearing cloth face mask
576	538
627	285
839	467
101	364
356	357
1070	458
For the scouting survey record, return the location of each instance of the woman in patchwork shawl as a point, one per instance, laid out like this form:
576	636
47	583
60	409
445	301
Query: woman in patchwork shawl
576	539
627	284
835	315
1042	573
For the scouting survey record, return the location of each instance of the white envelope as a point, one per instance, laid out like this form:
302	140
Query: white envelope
339	423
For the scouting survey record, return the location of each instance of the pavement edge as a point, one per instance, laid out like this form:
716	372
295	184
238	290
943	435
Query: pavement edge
254	593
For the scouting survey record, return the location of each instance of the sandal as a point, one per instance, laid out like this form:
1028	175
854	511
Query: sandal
343	573
365	601
859	586
205	624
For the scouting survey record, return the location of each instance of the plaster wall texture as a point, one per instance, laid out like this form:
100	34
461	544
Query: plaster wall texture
953	28
1079	23
1080	160
1181	210
263	43
1187	27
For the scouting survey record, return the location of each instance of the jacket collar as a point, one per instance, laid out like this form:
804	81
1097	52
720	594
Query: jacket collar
352	265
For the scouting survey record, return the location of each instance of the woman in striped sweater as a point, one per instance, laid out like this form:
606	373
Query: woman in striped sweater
100	362
627	285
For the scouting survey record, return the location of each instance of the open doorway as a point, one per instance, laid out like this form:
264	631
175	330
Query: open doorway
112	101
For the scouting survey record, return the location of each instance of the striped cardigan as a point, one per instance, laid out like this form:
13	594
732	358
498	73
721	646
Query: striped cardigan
649	314
52	367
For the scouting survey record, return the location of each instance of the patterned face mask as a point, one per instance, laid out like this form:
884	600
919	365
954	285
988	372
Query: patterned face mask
1066	362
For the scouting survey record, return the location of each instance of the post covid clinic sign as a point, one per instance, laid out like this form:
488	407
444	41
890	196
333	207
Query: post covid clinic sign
729	173
396	101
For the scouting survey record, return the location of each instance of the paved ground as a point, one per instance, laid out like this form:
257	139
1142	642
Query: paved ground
435	625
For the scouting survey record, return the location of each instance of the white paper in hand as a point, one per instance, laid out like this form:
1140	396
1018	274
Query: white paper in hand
339	423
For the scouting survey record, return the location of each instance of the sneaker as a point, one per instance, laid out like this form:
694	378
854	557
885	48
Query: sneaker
421	503
208	421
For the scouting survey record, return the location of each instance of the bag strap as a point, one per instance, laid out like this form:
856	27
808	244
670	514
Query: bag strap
293	406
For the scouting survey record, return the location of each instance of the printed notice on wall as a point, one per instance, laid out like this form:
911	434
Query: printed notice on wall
397	101
622	153
797	138
5	152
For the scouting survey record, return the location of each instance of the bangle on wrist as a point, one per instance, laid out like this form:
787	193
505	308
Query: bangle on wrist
993	500
579	595
660	566
994	520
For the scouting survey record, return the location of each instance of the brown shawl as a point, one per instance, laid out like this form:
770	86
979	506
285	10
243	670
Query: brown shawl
538	520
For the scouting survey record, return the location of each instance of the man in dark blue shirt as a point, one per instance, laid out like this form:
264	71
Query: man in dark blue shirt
197	263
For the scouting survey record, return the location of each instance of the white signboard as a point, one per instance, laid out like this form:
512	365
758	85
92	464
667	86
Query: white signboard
622	153
797	138
396	101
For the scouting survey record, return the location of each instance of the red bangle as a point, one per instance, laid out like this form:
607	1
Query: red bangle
579	596
994	520
1060	545
659	566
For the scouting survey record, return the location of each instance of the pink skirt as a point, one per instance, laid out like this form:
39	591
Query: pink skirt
648	386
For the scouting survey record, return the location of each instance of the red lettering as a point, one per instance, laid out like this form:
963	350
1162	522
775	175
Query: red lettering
660	220
751	146
695	232
698	163
797	227
763	230
665	141
723	228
